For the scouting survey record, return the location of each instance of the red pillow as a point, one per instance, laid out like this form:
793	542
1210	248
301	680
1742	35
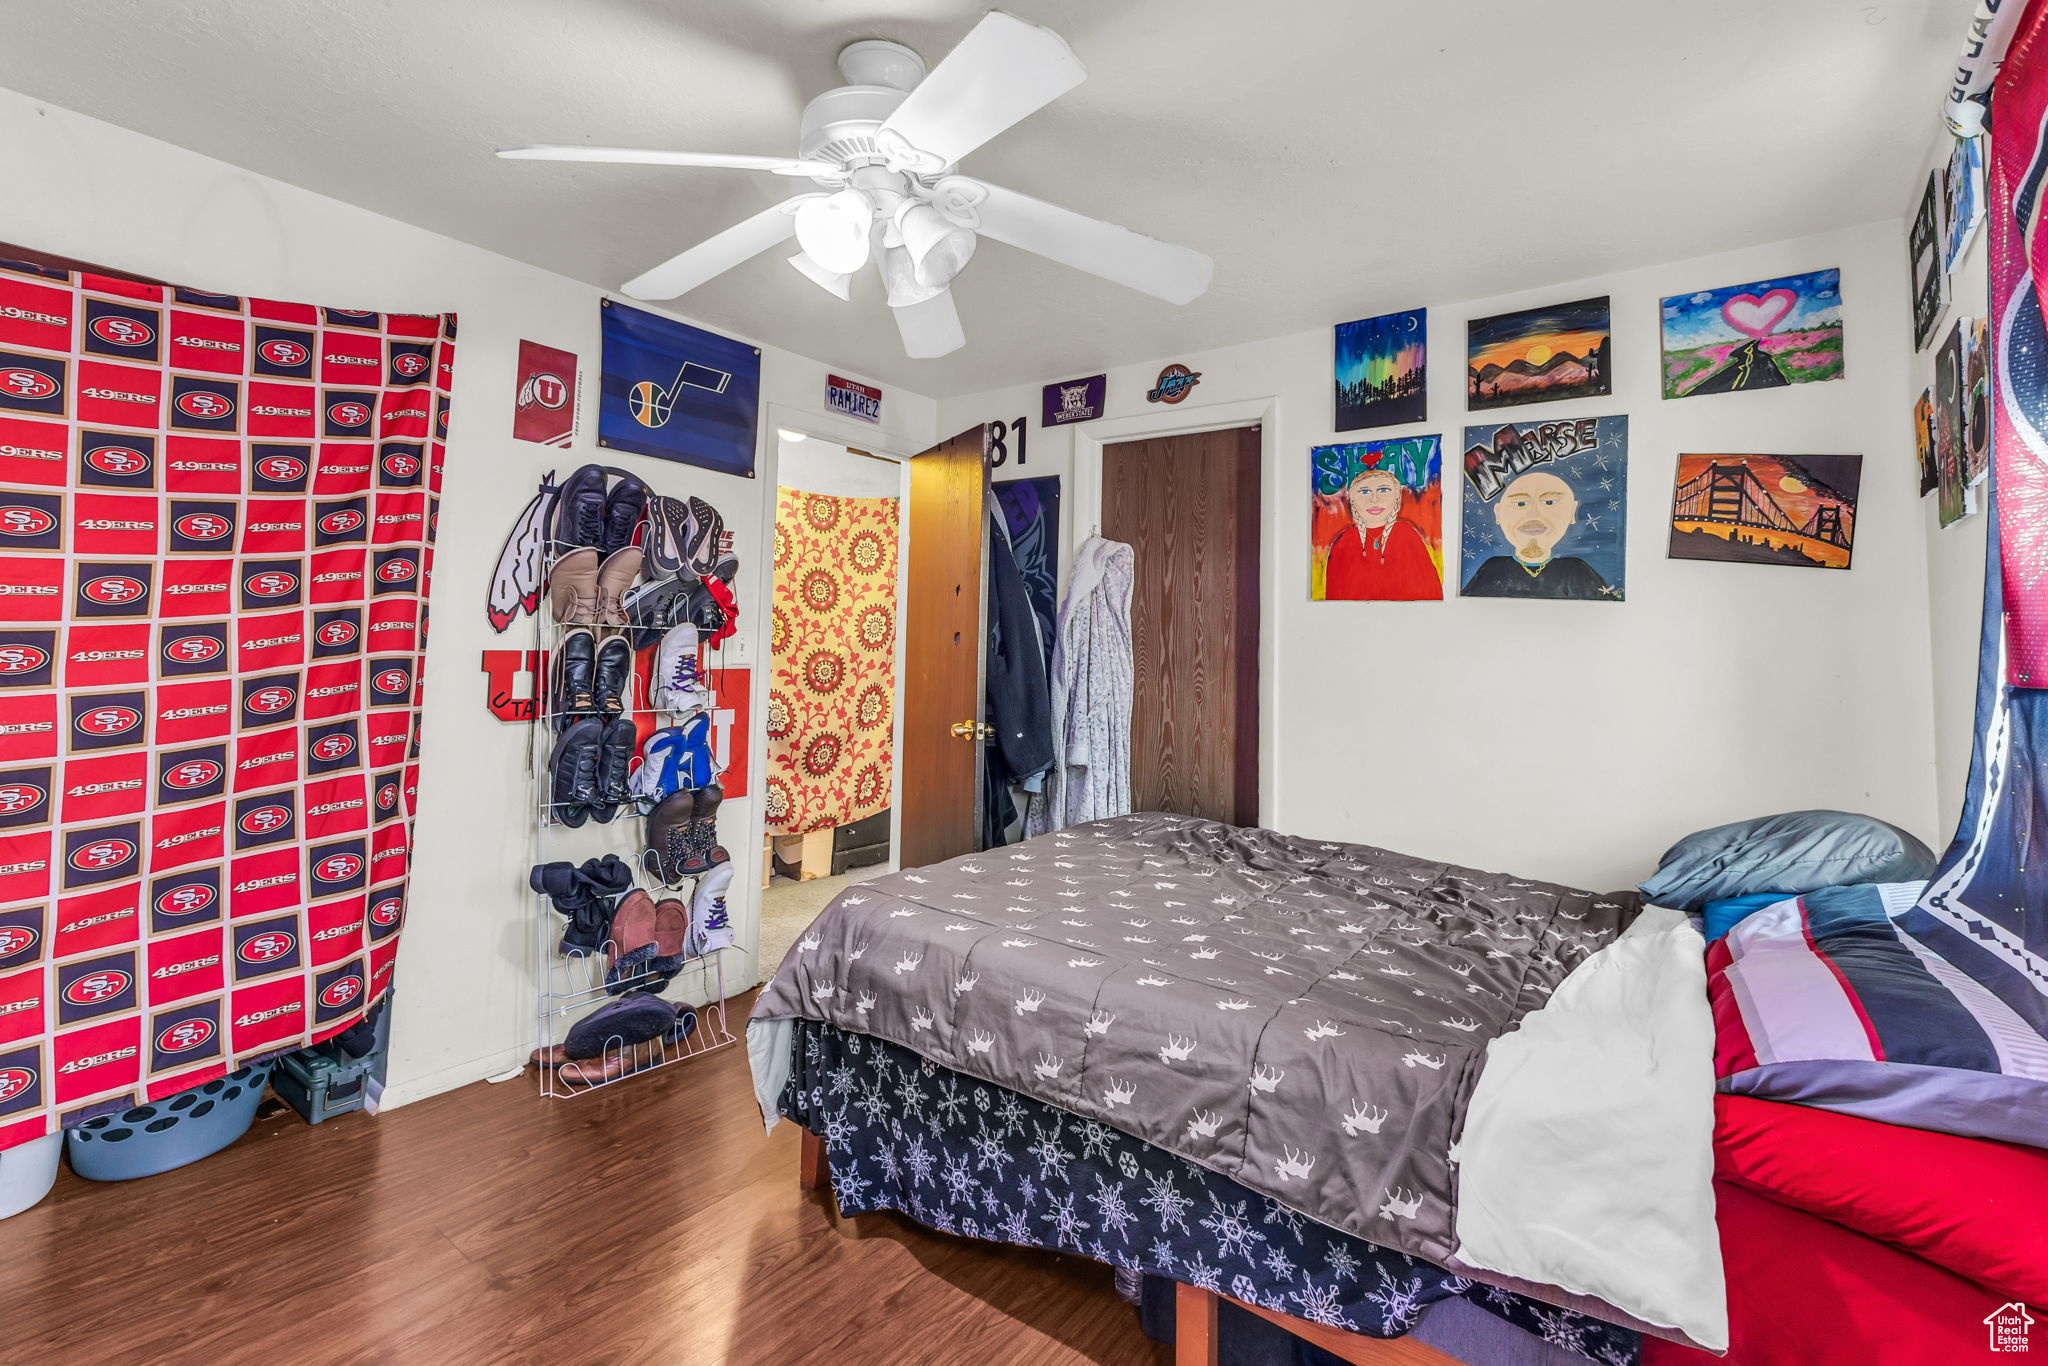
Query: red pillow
1805	1292
1967	1204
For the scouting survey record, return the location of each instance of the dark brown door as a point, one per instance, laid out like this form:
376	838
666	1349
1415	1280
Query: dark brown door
1189	506
942	651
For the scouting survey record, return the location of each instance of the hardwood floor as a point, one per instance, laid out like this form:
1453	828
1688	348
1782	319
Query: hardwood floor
650	1222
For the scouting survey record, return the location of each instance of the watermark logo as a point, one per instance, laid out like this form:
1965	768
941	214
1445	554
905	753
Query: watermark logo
2008	1325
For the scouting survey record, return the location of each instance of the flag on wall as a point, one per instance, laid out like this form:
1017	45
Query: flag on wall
1986	909
216	530
677	392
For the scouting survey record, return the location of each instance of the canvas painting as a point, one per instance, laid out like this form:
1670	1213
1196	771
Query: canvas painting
1546	507
1964	182
1766	509
1923	249
1952	492
1923	440
1376	521
1764	335
1380	370
1540	355
1976	399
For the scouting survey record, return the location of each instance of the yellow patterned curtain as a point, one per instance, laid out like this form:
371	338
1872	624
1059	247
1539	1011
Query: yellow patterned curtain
832	670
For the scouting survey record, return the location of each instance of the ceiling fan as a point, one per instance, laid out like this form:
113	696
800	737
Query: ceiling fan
884	147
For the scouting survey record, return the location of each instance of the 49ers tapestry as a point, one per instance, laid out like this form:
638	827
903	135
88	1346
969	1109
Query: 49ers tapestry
216	531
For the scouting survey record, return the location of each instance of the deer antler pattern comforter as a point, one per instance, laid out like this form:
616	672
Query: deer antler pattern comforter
1307	1018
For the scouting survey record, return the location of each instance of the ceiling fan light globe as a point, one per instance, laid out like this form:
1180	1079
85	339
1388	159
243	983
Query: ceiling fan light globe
833	231
832	282
899	279
939	248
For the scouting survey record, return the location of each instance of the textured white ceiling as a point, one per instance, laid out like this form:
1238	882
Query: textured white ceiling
1336	157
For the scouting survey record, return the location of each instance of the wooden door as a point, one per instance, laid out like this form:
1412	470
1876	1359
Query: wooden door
942	651
1189	506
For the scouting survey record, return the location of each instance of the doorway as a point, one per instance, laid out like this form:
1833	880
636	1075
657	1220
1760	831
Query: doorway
1189	505
835	661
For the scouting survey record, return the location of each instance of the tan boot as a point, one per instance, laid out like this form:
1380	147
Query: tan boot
614	577
572	587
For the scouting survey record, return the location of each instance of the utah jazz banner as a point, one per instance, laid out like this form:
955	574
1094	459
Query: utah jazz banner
677	392
216	520
1986	911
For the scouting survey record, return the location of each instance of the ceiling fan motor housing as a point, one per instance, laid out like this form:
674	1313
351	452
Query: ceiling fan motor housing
839	125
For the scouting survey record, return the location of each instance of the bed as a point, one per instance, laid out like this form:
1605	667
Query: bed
1502	1081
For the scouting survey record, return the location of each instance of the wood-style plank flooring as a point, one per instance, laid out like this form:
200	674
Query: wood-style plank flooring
648	1222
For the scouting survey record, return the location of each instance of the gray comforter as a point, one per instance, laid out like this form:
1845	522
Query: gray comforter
1306	1018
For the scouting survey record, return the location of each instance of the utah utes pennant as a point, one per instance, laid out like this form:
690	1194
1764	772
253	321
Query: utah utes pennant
215	533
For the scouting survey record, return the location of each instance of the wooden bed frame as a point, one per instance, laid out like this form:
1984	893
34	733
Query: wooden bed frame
1195	1309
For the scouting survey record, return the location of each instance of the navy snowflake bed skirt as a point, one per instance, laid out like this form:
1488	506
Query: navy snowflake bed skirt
966	1157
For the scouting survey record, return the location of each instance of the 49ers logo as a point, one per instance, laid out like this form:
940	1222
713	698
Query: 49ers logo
336	633
95	987
101	855
28	383
271	583
341	991
337	868
194	649
387	796
264	701
21	521
341	521
267	947
264	819
399	465
189	899
16	797
108	720
348	413
193	773
410	365
201	404
281	469
396	571
333	746
14	939
202	526
22	659
281	352
389	680
123	331
14	1081
117	460
184	1036
114	588
385	912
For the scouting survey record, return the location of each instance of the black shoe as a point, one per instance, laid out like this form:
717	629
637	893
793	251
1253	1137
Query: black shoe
703	531
612	676
623	508
572	786
615	751
666	853
574	693
700	847
579	508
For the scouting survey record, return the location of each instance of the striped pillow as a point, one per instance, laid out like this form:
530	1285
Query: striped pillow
1819	1000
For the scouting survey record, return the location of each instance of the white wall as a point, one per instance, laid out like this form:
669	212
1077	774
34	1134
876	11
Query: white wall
1955	553
1576	741
465	981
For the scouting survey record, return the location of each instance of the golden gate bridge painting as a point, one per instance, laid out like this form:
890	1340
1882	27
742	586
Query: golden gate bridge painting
1766	509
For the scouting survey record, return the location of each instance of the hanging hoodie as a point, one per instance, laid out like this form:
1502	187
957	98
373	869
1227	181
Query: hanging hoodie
1019	701
1092	688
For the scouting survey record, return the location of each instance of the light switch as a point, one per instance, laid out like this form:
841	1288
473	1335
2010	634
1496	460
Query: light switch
737	649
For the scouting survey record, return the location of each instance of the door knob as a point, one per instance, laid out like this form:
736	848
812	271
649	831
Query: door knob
973	730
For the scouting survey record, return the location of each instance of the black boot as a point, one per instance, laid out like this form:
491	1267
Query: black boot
623	507
575	679
572	787
700	836
665	853
579	508
612	676
615	751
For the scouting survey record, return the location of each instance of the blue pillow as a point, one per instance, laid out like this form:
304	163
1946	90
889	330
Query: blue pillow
1725	913
1799	851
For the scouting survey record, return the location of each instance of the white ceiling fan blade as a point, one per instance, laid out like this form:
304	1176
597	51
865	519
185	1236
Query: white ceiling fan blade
1002	71
1161	269
649	157
715	255
930	328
